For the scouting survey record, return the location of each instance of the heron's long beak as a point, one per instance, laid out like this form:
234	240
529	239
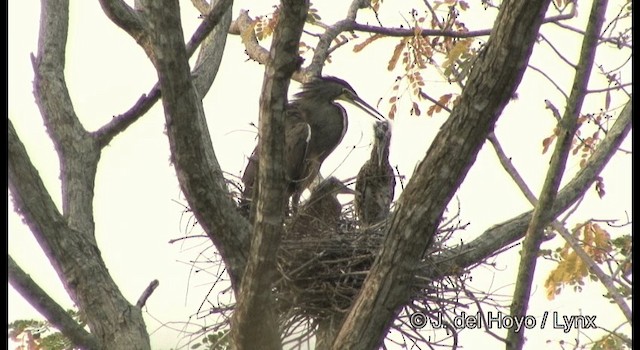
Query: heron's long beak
358	102
346	190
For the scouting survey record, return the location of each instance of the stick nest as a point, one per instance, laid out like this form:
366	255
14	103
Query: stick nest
321	273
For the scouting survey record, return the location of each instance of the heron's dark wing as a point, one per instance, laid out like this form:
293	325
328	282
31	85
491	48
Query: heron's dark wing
375	187
249	174
389	181
297	141
362	194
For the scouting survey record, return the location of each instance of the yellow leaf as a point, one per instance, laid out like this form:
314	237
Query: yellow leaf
460	47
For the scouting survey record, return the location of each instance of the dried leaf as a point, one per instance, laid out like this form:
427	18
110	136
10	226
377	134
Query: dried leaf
369	40
396	54
546	143
444	99
431	110
582	118
392	112
416	109
576	149
460	47
607	99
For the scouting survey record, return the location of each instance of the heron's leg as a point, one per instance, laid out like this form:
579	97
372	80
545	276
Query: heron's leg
295	202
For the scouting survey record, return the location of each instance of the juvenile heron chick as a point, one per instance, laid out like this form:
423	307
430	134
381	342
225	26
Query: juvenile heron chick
376	182
321	212
314	126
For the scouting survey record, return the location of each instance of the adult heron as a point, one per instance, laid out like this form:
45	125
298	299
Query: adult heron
314	126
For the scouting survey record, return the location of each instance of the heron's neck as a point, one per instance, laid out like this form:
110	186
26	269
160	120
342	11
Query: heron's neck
375	154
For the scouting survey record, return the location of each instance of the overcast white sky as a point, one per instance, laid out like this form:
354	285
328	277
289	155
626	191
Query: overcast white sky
135	212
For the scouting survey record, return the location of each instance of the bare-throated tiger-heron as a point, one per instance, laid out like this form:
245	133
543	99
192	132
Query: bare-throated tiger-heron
314	126
321	212
376	182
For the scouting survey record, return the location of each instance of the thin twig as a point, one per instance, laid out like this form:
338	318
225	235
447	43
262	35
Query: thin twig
147	293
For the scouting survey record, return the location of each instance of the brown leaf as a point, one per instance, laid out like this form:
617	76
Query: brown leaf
546	143
576	149
430	110
396	54
444	99
392	112
369	40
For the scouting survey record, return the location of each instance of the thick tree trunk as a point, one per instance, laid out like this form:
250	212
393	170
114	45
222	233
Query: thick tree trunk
491	84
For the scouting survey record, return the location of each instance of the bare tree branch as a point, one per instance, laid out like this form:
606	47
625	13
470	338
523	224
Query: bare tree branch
219	9
126	18
542	214
213	35
321	52
73	254
254	322
46	306
403	32
198	170
204	72
201	5
243	26
581	32
559	227
492	81
147	293
507	232
511	170
355	6
78	152
120	123
557	52
550	80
